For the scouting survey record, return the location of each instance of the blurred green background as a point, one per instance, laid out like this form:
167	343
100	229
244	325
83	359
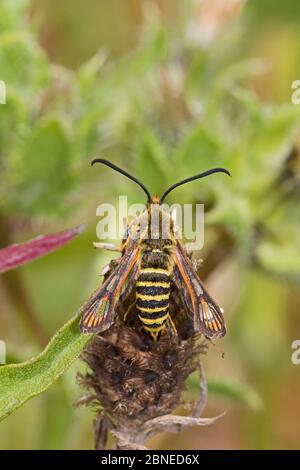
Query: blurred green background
165	88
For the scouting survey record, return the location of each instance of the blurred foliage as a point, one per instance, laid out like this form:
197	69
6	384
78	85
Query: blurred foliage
165	104
20	382
229	389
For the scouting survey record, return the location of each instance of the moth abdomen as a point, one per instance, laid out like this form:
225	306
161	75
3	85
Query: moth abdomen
152	303
152	299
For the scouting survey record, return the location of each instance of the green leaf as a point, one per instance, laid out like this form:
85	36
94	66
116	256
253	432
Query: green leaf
44	169
236	392
20	382
271	139
57	418
233	211
12	118
198	151
12	13
281	258
122	79
229	389
152	160
23	64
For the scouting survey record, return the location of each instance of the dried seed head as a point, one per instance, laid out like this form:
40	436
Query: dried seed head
134	379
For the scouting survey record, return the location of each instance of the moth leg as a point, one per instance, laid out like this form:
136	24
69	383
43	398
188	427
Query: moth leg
108	267
172	326
107	246
128	311
197	263
105	270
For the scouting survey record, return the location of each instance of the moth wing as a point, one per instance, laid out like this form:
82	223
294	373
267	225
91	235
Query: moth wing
207	315
99	311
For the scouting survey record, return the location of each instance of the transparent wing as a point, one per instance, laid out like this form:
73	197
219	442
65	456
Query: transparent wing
207	315
99	311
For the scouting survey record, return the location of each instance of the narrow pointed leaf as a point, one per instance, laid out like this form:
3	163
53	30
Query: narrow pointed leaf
20	382
22	253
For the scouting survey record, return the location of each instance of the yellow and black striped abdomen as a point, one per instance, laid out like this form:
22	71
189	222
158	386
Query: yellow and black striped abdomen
152	299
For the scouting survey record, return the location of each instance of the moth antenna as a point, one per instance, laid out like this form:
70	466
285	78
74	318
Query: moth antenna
123	172
195	177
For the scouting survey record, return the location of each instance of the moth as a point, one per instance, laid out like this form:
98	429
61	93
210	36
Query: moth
153	261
